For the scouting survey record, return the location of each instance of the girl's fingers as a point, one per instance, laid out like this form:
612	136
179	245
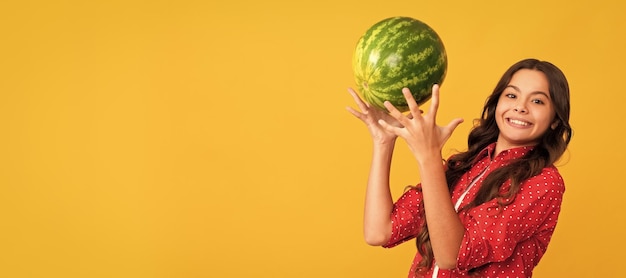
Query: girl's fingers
386	126
410	114
359	102
434	102
357	114
413	107
393	111
453	124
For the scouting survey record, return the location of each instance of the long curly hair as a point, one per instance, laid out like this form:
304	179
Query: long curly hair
551	147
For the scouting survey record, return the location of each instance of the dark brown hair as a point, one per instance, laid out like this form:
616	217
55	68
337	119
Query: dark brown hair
551	147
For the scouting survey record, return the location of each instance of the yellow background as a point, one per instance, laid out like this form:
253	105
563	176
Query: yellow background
210	138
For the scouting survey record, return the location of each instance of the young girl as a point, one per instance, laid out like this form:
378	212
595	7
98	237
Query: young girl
489	211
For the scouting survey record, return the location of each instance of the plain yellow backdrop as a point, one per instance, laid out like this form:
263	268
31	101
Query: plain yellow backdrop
210	138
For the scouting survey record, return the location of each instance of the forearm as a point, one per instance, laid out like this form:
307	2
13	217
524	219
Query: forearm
378	199
444	226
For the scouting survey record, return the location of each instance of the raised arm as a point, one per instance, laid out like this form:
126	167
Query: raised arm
378	200
426	139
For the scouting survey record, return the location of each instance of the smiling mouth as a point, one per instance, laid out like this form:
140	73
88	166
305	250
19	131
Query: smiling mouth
518	122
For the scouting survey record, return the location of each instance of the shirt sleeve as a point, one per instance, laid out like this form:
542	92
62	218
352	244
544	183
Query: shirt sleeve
406	217
493	233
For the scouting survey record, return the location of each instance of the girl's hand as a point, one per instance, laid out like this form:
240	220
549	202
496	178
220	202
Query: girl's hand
421	132
372	116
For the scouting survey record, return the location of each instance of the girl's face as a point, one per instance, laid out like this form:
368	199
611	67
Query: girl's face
524	111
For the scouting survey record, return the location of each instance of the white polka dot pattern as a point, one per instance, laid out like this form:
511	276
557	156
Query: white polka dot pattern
499	241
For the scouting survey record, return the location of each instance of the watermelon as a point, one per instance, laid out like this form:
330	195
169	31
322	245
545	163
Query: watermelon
398	52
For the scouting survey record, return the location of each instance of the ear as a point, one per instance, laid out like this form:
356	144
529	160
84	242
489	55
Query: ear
555	124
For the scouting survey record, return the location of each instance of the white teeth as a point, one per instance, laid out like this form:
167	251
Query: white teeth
518	122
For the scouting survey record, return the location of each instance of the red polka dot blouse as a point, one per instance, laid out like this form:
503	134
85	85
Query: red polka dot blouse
498	242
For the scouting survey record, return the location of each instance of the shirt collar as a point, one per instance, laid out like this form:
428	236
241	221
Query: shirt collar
508	154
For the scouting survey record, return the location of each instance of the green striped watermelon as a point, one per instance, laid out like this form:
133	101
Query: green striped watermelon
398	52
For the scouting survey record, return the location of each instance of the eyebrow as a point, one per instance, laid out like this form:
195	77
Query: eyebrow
532	93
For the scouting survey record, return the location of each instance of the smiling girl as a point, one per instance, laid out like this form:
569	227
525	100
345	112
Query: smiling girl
489	211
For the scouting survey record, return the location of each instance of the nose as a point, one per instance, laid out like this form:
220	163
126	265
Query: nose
520	108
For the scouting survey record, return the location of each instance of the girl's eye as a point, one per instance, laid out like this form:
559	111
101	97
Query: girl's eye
538	101
510	96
